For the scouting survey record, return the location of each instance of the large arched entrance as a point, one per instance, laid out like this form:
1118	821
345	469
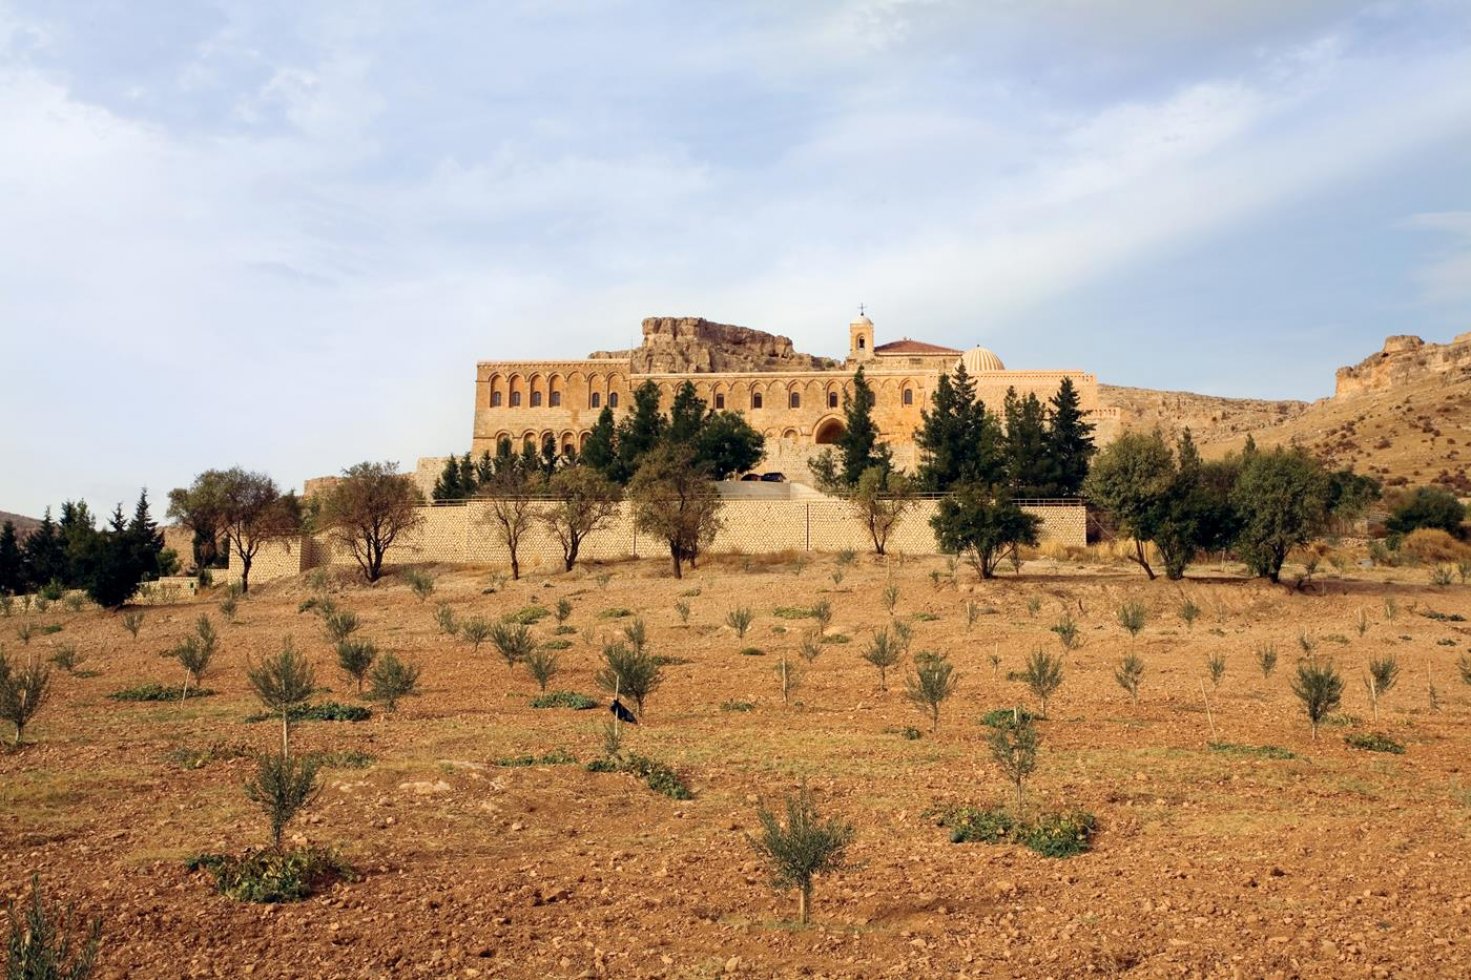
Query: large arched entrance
829	431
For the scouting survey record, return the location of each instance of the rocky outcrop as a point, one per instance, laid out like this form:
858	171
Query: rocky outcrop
694	345
1404	360
1209	418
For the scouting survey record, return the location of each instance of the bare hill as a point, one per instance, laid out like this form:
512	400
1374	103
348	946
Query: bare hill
23	525
1402	414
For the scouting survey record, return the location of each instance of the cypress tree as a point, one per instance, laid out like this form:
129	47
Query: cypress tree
859	446
484	468
1069	440
10	560
468	482
601	451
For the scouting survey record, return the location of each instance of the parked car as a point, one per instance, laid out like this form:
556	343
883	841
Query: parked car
751	478
773	478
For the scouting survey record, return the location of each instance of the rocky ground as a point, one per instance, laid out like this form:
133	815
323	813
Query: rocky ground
1336	862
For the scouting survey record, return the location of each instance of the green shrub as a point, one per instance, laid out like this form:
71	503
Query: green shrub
556	757
656	775
527	616
444	619
282	787
740	619
739	706
1006	717
1319	687
807	846
339	624
882	652
343	759
1060	835
44	942
792	612
158	692
563	611
564	699
1132	617
391	680
1129	674
67	658
837	639
326	711
1043	676
543	664
420	581
982	825
1266	658
910	734
618	612
932	682
355	658
630	673
1260	751
269	876
217	751
752	652
1373	742
512	640
1069	634
556	645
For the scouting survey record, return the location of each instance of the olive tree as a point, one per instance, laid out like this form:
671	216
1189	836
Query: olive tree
367	509
982	527
583	501
674	499
247	508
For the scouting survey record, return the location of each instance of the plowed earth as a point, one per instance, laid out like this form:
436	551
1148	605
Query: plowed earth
1335	863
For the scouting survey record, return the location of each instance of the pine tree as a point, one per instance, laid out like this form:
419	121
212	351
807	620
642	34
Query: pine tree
78	533
448	485
640	432
686	416
601	451
1069	440
44	556
144	539
10	560
467	475
1027	462
959	439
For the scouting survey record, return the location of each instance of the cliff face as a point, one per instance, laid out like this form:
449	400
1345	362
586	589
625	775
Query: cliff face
696	345
1405	360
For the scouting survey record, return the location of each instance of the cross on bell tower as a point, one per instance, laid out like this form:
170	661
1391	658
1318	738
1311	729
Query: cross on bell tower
860	336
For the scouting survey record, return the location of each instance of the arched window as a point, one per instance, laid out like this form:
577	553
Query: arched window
612	399
495	399
595	400
909	396
515	399
755	399
832	399
860	343
556	397
719	402
536	399
794	400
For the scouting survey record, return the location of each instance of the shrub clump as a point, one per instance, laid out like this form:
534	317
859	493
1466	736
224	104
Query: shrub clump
269	876
564	699
1058	835
326	711
658	776
1374	742
41	945
159	692
556	757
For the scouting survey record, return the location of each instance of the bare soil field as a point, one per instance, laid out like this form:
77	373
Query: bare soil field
1320	861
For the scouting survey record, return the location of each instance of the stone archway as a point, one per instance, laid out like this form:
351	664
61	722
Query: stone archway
828	432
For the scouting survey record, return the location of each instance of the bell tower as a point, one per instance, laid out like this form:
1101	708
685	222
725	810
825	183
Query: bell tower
860	337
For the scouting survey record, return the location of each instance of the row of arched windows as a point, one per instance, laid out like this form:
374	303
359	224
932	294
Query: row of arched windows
538	391
553	400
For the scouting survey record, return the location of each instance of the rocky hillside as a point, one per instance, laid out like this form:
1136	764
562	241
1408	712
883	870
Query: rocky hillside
1209	418
1402	414
694	344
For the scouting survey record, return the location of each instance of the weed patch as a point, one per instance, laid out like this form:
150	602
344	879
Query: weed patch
556	757
527	616
326	711
159	692
1373	742
564	699
268	876
1259	751
1057	835
656	775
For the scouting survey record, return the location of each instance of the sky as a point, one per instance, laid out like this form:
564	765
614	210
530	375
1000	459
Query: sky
280	234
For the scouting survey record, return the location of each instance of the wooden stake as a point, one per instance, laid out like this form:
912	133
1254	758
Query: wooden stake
1208	717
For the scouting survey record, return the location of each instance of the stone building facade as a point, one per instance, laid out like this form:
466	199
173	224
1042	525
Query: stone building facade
795	400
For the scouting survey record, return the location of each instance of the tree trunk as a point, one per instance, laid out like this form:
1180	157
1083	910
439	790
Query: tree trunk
674	557
804	903
1140	557
285	732
244	574
515	566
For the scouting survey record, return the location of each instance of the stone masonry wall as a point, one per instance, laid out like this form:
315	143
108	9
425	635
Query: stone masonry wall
461	534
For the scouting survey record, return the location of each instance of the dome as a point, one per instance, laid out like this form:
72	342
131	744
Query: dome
978	359
861	320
